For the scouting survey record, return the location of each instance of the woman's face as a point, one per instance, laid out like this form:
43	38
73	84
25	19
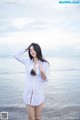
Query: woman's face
32	52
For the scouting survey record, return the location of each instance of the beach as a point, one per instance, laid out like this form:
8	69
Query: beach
62	91
66	113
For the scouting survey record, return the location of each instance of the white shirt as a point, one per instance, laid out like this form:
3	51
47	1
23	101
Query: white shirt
33	93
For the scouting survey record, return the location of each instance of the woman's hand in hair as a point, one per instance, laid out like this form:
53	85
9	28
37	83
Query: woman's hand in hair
26	50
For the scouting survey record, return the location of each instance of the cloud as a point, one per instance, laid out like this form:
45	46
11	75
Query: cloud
44	21
20	22
48	38
8	25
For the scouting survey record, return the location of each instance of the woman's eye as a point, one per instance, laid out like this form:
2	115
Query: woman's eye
31	50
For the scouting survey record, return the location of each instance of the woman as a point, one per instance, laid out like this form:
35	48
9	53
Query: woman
37	73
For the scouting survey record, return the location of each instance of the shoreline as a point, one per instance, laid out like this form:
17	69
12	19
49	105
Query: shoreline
49	113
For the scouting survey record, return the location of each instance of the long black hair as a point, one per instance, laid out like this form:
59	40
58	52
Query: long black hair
38	51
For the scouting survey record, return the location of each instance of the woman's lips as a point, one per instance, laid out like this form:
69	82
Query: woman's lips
33	54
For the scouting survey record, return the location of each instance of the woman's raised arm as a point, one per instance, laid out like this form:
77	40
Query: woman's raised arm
19	56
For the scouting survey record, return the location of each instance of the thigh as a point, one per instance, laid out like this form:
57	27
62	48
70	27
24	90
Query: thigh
38	111
31	112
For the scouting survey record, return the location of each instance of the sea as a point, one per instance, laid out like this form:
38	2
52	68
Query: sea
63	88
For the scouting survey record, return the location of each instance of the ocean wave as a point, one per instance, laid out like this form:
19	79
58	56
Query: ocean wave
66	70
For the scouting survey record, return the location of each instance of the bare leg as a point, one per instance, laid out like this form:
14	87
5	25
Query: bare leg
38	111
31	112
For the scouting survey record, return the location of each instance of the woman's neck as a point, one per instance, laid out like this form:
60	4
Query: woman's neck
35	59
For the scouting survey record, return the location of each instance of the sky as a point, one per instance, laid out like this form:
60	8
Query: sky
46	22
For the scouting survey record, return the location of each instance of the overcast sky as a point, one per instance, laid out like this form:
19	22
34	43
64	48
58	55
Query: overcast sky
43	21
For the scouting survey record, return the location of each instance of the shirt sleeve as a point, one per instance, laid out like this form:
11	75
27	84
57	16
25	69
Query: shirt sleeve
19	56
47	71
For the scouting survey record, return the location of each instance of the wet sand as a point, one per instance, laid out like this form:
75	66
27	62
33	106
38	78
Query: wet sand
65	113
